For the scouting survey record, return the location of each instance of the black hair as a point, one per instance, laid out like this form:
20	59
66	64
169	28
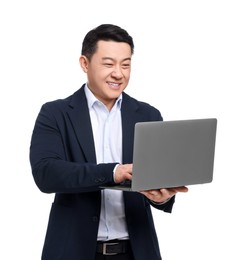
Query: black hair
105	32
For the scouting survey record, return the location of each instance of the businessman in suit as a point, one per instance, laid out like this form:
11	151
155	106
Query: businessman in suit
85	141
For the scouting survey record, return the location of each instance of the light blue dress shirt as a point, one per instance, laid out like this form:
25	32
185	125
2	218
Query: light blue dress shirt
107	133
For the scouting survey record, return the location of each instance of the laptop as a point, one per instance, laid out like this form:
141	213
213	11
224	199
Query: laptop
171	154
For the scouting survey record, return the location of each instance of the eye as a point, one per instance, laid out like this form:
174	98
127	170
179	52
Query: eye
109	65
126	65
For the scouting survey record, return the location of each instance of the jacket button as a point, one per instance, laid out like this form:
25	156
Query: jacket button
99	179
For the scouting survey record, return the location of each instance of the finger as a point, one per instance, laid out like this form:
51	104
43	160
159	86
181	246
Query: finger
129	176
157	195
180	189
149	194
183	189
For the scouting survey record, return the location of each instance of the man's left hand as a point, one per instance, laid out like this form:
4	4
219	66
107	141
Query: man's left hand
162	195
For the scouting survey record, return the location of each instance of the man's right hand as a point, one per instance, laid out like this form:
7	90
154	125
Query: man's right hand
123	172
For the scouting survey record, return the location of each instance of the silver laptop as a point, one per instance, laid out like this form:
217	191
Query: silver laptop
172	154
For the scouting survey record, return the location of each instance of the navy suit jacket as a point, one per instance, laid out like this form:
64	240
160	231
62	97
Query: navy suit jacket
63	161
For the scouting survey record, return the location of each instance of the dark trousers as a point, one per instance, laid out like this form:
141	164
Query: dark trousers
126	256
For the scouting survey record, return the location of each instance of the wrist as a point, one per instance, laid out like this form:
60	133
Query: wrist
161	203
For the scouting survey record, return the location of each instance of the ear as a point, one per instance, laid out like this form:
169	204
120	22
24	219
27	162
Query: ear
84	63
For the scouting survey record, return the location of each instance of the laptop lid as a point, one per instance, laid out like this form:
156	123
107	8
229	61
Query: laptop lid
173	153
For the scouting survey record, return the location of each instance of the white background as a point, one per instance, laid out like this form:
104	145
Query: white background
188	62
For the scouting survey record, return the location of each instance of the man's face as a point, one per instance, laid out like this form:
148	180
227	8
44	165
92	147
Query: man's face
108	71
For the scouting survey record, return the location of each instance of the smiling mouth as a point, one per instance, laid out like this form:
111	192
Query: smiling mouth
113	85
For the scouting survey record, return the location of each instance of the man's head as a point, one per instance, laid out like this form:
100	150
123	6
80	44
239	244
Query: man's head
106	59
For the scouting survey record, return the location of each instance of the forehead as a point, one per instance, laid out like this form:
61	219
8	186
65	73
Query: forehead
113	49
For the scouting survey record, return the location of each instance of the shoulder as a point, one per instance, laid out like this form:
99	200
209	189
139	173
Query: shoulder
58	103
141	107
67	103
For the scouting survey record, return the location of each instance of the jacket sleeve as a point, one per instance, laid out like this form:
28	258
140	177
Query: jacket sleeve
166	207
51	169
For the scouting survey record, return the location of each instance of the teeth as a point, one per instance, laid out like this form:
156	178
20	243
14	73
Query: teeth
114	84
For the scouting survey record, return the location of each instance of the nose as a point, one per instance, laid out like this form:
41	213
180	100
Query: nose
117	72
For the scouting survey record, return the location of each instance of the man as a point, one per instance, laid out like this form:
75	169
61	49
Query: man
85	141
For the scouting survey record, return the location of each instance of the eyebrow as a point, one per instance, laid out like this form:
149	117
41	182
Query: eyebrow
108	58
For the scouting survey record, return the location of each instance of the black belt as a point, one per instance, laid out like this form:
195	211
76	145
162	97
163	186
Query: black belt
113	247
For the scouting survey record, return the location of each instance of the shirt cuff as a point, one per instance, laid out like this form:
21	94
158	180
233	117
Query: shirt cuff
115	170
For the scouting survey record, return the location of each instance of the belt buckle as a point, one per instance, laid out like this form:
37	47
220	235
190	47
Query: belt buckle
105	248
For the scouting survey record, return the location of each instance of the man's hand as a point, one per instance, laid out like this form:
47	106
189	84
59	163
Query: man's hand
123	172
162	195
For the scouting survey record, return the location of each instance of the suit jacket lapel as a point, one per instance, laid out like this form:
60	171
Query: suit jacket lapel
129	118
80	119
